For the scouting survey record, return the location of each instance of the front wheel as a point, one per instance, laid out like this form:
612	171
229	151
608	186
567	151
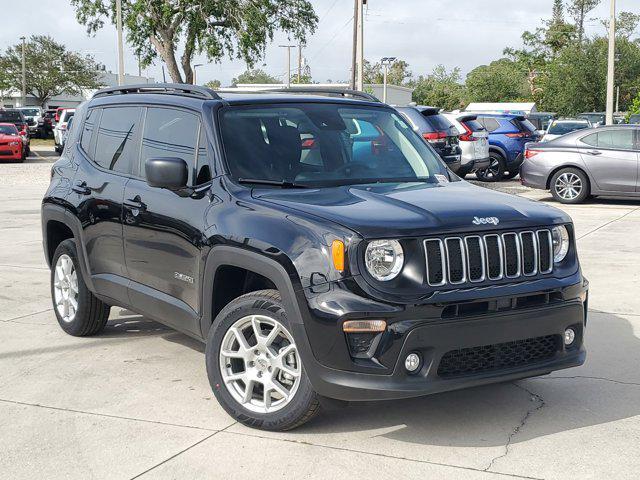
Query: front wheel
254	366
570	185
495	171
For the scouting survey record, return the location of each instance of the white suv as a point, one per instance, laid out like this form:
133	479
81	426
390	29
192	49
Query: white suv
474	142
61	127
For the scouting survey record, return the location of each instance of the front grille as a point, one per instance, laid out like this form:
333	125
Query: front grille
477	258
500	356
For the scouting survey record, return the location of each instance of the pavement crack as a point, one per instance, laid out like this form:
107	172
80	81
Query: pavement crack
604	379
608	223
540	405
26	315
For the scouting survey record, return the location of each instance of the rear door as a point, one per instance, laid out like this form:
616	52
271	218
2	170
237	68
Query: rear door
611	156
163	240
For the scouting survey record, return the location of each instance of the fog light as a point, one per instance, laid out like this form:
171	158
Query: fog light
569	336
412	362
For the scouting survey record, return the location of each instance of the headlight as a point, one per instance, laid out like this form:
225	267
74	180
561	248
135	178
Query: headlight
384	259
560	237
14	144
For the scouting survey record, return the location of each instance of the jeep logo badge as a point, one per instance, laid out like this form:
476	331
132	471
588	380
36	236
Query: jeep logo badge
485	220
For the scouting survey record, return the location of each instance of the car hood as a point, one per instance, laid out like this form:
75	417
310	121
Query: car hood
415	209
9	138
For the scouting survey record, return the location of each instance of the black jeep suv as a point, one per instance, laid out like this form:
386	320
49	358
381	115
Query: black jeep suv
316	243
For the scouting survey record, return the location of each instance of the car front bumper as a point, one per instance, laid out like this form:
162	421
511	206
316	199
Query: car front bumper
479	343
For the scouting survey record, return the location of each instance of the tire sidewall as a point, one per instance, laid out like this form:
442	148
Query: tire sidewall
76	326
282	419
501	168
584	194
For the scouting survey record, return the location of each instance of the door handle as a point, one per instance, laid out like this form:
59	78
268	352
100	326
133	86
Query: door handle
135	203
81	188
594	152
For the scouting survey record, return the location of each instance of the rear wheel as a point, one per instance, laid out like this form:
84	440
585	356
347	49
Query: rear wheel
78	311
495	171
254	367
570	185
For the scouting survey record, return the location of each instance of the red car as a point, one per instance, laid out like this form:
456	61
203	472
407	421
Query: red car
11	143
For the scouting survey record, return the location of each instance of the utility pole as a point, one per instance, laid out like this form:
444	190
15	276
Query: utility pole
611	63
288	74
24	73
618	98
299	63
120	48
386	62
354	45
194	72
360	85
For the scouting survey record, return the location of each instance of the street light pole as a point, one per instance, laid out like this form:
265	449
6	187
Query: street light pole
288	74
611	63
194	72
24	73
120	48
354	46
386	61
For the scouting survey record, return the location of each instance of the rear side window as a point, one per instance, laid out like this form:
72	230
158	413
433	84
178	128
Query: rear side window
491	124
439	122
474	125
416	120
170	133
523	125
115	148
87	131
613	139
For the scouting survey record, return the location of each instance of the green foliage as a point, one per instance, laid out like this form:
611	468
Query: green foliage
213	84
440	88
305	78
215	28
500	81
578	11
50	69
626	24
398	74
254	76
634	109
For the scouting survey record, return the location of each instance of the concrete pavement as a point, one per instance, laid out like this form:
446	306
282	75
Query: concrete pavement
135	401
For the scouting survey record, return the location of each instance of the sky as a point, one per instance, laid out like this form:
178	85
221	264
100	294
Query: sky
425	33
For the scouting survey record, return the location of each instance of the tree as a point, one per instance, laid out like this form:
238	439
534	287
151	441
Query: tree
216	28
558	33
254	76
500	81
634	109
213	84
440	89
51	69
5	80
398	73
626	24
578	11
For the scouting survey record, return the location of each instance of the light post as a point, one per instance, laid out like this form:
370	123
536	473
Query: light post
194	72
120	48
611	63
24	74
288	74
386	62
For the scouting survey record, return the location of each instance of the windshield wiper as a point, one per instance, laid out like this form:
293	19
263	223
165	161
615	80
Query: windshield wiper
275	183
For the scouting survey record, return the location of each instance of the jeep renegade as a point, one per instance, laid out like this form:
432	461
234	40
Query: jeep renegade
315	242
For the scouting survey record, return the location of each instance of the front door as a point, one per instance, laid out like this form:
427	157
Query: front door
163	239
612	159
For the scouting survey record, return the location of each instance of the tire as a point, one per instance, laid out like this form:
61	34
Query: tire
90	314
570	186
495	171
510	175
259	363
464	171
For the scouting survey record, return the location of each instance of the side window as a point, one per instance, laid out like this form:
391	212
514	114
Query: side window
115	148
591	140
491	124
170	133
203	169
616	139
87	131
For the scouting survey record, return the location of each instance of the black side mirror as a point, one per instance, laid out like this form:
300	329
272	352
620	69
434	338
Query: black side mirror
168	172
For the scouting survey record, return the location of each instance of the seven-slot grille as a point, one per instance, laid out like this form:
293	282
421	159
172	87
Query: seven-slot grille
476	258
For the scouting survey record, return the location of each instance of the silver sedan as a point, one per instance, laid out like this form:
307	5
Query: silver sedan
595	161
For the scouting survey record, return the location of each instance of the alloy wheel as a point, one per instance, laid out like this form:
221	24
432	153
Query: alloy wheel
568	186
492	171
65	288
259	363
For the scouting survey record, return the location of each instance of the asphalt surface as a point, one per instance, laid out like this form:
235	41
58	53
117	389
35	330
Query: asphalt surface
135	401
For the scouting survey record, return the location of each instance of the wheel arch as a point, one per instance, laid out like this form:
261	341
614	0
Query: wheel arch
498	149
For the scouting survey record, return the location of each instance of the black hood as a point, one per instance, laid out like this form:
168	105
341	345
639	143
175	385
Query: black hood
399	210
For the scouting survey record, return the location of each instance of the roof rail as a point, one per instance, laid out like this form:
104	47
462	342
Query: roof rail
328	91
161	88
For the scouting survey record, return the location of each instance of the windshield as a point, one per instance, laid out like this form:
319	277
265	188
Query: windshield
323	144
8	130
562	128
30	112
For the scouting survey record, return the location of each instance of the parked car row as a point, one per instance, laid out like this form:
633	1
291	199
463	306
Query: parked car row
14	117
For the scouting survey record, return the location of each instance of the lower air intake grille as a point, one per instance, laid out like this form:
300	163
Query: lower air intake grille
500	356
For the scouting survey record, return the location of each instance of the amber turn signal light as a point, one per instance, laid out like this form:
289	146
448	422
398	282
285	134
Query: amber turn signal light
337	253
364	326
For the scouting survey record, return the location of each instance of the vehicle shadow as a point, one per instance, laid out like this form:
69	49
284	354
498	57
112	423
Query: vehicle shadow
605	389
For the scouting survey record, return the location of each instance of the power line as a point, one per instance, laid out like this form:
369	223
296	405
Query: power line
321	49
